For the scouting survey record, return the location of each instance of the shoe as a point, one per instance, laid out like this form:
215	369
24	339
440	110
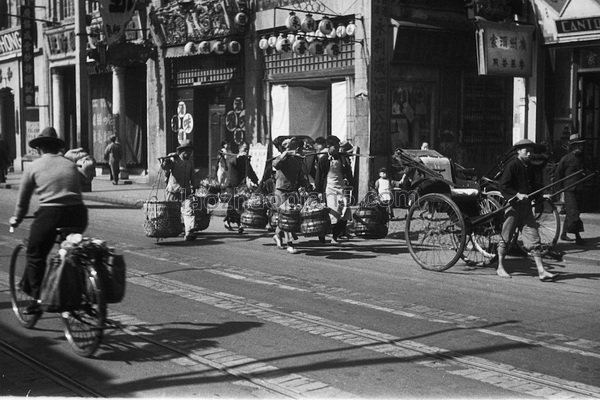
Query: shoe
565	238
295	235
241	230
115	183
33	308
227	225
322	238
291	249
278	241
547	276
189	237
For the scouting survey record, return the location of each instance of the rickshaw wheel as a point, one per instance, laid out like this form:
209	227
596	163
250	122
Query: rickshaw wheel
482	247
548	218
435	232
496	195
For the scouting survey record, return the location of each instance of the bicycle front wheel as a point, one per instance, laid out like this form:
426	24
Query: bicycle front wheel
84	326
19	299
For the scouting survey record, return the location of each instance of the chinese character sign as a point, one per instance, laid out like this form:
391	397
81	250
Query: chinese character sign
504	49
27	44
116	14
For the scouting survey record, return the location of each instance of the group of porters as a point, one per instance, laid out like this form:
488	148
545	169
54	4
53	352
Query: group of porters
311	218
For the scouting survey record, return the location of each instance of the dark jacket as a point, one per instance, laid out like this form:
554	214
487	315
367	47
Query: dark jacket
290	173
239	169
517	177
323	170
568	165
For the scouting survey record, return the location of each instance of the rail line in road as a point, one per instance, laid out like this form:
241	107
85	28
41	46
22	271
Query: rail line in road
497	374
68	386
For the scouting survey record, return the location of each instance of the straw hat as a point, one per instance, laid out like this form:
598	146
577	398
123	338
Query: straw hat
47	136
185	145
576	138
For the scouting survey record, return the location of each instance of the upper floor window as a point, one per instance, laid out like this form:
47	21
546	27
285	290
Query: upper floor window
4	17
67	9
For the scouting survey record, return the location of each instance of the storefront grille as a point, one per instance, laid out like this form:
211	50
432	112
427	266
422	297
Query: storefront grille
280	64
191	71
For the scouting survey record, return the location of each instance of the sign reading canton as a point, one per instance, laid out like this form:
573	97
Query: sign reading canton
27	45
116	14
504	49
578	25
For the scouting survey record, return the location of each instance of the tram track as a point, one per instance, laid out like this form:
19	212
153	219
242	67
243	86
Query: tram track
46	371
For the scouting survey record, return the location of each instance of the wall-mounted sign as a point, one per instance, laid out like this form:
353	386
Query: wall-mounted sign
27	45
182	123
116	14
504	49
10	41
62	42
578	25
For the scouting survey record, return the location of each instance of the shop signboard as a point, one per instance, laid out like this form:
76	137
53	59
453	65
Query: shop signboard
10	42
32	128
504	49
116	14
27	45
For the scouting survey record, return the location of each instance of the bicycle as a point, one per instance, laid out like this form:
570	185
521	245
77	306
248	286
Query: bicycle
83	324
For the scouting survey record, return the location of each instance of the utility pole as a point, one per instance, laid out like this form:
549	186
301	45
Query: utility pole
81	77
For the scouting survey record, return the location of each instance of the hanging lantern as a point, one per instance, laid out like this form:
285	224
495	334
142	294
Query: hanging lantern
283	44
218	47
204	47
234	47
326	26
263	44
308	23
293	22
319	35
331	35
340	31
351	28
272	41
316	48
332	49
240	19
310	36
300	46
190	49
291	37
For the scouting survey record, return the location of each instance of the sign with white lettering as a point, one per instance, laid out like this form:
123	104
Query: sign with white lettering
578	25
10	41
27	66
116	14
504	49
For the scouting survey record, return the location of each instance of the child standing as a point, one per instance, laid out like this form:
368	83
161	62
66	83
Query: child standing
383	185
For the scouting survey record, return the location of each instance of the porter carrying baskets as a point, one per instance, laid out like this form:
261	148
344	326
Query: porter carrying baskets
162	219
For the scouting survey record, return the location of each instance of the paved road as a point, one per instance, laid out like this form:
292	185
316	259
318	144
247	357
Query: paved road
230	315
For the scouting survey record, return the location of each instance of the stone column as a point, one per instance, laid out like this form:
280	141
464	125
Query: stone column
58	94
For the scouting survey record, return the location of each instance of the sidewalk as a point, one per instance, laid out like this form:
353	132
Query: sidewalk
140	188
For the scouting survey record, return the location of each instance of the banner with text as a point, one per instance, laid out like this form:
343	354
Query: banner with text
116	14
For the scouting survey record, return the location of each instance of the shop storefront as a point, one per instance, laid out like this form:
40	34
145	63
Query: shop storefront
570	31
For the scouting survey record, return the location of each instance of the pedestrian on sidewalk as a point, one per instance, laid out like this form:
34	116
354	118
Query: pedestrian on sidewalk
113	155
516	183
56	181
568	165
333	175
180	183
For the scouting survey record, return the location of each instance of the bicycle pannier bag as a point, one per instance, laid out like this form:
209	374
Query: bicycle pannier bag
113	277
62	285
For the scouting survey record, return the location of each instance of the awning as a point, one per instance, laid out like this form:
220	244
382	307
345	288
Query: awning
568	21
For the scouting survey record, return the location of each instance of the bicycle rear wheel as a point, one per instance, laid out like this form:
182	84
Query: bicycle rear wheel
84	326
19	299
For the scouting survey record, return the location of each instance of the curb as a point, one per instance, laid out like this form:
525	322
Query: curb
582	260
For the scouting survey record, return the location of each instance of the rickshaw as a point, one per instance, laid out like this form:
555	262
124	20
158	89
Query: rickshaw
449	215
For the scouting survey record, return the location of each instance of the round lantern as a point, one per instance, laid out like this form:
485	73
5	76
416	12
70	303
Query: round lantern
189	49
204	47
234	47
293	22
316	48
283	44
331	35
291	37
310	36
340	31
218	47
326	26
300	46
308	23
350	28
263	44
319	35
332	49
272	41
240	19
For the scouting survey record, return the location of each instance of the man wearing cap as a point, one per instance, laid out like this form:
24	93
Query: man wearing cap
56	181
113	154
180	168
568	165
516	183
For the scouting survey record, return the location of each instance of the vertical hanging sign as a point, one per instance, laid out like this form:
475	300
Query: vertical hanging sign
116	14
27	45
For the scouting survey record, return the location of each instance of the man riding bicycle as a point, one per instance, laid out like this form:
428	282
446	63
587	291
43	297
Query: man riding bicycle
56	181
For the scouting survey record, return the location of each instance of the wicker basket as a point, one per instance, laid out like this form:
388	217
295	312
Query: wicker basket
315	219
289	218
252	218
162	218
370	223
